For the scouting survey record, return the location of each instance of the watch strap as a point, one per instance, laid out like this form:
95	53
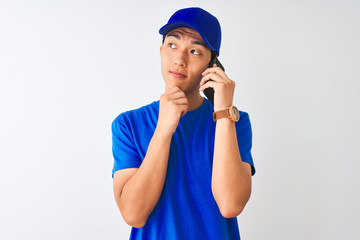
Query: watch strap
221	114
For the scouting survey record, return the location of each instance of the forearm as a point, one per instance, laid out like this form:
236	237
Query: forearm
142	191
231	181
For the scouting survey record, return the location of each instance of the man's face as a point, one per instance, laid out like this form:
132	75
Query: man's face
184	56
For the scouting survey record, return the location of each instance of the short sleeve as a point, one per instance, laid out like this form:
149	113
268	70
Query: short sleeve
244	137
123	147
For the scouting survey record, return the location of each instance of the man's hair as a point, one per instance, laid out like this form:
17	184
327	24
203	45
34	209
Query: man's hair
213	53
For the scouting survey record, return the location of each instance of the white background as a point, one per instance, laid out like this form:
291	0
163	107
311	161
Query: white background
68	68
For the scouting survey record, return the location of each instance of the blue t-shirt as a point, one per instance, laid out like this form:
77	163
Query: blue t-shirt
186	208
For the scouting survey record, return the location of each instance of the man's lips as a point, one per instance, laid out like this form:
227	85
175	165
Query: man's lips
177	74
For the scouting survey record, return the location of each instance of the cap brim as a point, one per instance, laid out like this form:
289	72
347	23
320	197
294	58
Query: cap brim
171	26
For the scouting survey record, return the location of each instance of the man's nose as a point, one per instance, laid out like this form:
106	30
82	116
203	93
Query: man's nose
180	59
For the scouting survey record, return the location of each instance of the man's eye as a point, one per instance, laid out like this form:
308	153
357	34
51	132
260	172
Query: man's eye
194	52
171	45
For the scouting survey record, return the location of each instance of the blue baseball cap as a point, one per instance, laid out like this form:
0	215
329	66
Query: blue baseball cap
201	21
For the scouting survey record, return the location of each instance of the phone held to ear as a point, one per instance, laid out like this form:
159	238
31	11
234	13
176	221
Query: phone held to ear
209	92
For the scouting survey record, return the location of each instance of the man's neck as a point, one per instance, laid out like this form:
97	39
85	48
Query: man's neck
195	100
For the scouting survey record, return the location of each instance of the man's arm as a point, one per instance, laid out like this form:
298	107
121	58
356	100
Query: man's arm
137	191
231	178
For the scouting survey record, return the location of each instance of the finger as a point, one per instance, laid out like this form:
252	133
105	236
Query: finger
211	76
213	68
216	70
177	95
183	109
181	101
207	85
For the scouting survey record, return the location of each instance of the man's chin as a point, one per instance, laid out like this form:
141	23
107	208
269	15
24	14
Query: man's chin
169	86
183	87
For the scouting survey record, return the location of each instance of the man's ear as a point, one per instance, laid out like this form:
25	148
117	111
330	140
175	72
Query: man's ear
161	47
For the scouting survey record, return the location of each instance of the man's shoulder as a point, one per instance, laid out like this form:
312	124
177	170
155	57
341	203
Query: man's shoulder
149	110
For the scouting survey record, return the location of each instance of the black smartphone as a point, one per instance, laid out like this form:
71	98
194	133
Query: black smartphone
209	92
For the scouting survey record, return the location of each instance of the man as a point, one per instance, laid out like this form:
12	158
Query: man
180	172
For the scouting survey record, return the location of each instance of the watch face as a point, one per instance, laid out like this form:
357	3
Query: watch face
235	113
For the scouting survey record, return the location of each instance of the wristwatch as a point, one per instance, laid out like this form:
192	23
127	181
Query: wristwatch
231	112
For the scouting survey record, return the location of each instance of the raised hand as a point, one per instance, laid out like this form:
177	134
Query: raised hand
223	87
173	105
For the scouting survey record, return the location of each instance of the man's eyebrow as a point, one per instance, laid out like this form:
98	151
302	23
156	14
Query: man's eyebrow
173	35
199	43
196	42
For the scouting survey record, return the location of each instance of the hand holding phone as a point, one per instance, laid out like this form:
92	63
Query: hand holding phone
209	92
